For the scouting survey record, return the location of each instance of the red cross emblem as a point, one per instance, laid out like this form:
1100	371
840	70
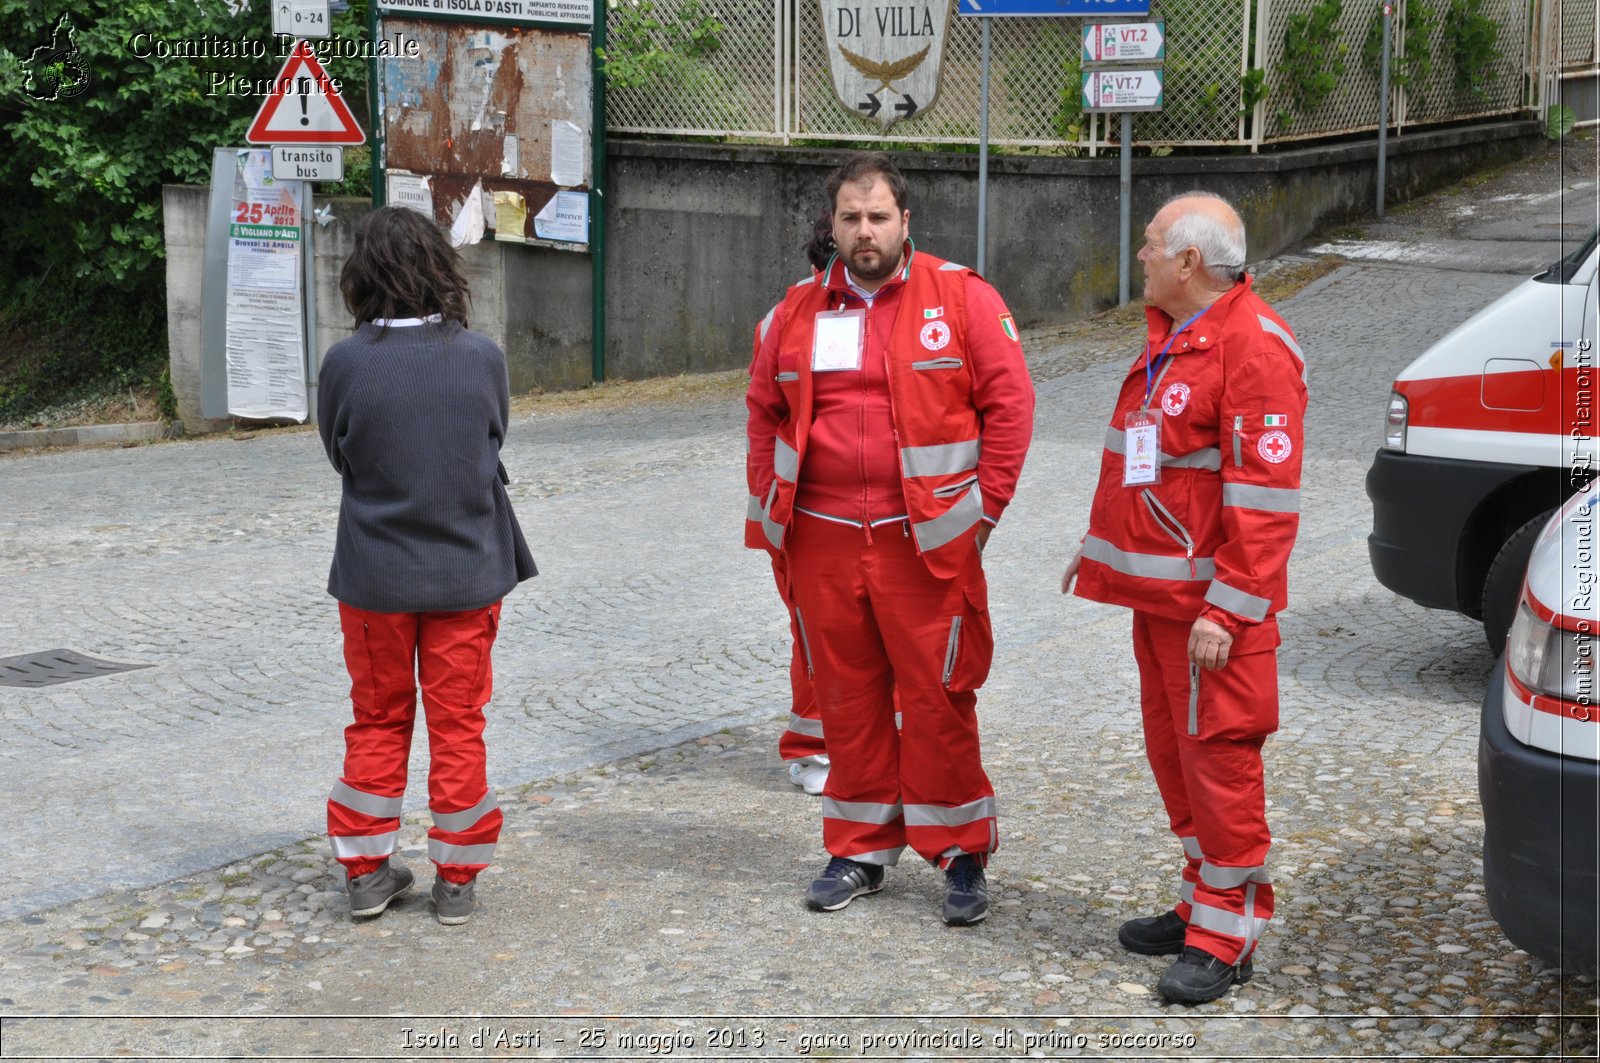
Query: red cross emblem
935	335
1275	447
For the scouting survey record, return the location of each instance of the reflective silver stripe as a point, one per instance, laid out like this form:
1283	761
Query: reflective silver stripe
1186	891
932	534
766	323
805	641
1194	700
1269	325
1204	458
950	266
346	846
1191	847
1257	926
860	812
466	818
1231	878
1147	566
1268	499
752	508
1219	921
442	853
943	459
882	857
769	527
363	802
938	363
785	461
1236	601
802	726
948	816
784	378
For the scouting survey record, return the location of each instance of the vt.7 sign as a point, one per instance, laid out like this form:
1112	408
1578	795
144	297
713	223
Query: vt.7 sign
1122	90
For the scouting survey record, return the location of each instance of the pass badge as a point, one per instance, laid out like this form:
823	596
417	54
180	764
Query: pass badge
1141	448
836	341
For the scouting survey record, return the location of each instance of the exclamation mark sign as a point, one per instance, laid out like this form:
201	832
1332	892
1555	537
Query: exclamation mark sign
303	85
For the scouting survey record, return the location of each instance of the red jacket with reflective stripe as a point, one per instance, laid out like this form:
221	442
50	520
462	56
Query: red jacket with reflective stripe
961	398
1213	536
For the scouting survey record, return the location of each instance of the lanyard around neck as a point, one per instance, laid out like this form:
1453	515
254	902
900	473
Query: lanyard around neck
1151	377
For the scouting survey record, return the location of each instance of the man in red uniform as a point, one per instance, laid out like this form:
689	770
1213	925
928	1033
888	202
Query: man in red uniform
1192	523
890	412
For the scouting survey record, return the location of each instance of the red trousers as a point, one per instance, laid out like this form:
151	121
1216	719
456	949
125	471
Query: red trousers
803	737
873	623
1203	732
388	655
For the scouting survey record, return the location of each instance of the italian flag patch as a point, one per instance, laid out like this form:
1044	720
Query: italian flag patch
932	312
1275	420
1009	326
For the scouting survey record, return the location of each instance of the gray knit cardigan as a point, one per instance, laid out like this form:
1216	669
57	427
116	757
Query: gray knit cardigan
413	418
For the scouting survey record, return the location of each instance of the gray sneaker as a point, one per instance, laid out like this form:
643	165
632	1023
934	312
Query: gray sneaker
453	902
841	882
371	893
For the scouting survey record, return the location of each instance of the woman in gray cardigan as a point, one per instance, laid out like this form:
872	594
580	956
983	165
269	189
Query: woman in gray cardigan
413	410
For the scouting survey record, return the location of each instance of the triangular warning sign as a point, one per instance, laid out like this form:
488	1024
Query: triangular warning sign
304	107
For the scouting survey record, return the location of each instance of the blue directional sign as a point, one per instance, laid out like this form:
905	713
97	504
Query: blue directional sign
1044	8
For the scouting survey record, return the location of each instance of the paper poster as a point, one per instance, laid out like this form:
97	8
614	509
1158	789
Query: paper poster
409	190
510	217
265	332
566	153
469	224
510	156
565	217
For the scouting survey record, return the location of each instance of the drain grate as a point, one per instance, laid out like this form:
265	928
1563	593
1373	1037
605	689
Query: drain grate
49	667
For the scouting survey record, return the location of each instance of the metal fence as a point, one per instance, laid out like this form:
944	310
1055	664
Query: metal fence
768	81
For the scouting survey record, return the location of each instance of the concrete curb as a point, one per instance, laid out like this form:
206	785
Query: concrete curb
138	432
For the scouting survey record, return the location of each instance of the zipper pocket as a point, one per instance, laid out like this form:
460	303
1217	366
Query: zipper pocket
938	363
805	643
784	378
1194	699
1170	524
1238	435
952	649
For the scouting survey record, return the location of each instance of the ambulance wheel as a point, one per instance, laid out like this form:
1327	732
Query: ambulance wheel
1503	585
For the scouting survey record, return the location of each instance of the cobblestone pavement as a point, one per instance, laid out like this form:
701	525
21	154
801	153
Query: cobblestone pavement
164	862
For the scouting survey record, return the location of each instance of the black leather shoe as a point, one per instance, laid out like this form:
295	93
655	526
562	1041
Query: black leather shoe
1199	977
1154	935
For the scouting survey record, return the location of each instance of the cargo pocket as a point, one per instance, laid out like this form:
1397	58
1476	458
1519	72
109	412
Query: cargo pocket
482	689
1238	702
969	648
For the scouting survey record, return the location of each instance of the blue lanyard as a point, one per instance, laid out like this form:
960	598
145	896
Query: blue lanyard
1149	370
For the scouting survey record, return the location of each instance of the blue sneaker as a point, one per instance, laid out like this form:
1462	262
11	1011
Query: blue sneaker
841	882
966	892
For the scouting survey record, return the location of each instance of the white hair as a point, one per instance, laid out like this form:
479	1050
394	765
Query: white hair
1220	241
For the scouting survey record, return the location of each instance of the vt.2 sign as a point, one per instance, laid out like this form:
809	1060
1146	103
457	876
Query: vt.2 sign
1122	90
1124	42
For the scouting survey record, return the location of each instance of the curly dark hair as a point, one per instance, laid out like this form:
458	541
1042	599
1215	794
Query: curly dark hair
819	248
403	266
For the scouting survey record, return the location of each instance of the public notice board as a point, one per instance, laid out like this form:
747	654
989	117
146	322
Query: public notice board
266	344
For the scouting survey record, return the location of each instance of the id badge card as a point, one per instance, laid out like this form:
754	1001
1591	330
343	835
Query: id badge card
836	341
1141	448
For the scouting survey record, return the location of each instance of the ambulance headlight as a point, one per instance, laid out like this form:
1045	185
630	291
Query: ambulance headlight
1394	427
1550	661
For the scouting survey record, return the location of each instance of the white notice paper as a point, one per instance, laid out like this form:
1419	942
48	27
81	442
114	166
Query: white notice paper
469	224
566	153
409	190
564	218
836	343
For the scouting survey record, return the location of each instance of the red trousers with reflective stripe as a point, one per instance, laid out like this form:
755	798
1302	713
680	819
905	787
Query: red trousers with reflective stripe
1203	732
796	743
875	623
388	656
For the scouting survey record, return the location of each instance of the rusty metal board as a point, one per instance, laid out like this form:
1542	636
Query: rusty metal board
49	667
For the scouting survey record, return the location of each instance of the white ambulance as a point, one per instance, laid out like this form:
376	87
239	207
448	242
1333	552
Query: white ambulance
1487	434
1539	751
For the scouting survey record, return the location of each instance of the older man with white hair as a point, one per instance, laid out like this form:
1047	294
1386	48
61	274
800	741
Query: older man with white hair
1191	527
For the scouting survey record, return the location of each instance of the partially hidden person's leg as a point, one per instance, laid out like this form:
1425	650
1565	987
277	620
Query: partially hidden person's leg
364	807
453	664
801	745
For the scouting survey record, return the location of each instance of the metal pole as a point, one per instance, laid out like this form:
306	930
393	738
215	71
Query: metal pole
983	152
597	196
1383	108
1125	215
